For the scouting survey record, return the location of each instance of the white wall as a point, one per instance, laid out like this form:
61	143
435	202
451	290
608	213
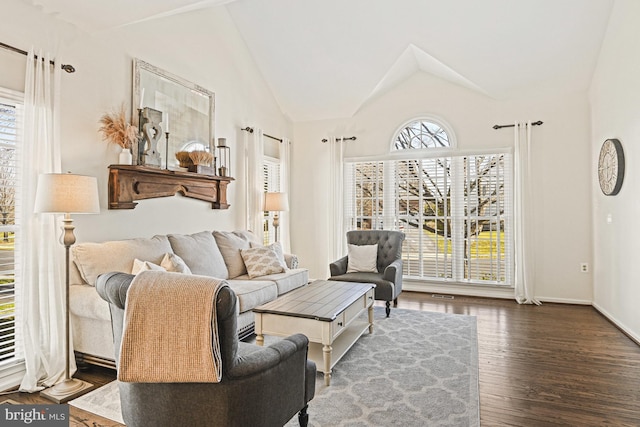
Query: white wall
203	47
561	163
615	113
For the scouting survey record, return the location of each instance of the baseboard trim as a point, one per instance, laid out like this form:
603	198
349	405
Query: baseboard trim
623	328
565	300
455	289
11	377
83	358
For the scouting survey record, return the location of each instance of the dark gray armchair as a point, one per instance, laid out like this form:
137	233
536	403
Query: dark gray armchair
261	386
388	279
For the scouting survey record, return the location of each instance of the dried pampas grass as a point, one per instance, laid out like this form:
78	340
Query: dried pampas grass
115	129
184	159
202	158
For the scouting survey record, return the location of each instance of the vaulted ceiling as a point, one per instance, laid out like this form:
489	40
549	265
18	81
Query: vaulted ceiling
327	58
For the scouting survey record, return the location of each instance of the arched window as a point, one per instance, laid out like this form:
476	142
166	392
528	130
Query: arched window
423	133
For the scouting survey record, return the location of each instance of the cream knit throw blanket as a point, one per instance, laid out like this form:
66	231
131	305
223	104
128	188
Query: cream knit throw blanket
170	329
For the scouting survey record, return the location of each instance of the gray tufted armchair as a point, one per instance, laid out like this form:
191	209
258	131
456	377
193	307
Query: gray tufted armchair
261	386
388	279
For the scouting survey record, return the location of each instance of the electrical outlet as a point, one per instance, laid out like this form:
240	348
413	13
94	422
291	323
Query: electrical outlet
584	267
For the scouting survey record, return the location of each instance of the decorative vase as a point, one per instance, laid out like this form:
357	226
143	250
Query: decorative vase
126	158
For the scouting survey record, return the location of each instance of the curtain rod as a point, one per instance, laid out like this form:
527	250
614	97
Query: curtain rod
538	123
67	67
250	130
351	138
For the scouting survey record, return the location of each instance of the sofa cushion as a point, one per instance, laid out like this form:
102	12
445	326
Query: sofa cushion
230	245
261	261
93	259
286	281
200	252
252	293
249	236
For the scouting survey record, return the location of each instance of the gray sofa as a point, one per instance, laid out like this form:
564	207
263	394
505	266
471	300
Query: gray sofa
260	386
209	253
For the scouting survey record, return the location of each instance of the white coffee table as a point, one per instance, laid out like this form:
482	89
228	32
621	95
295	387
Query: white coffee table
327	312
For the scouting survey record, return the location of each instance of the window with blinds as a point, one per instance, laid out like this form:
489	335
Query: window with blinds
10	120
271	171
366	201
455	210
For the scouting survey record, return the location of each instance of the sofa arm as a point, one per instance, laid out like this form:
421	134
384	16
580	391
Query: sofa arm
291	260
393	273
339	267
267	357
116	292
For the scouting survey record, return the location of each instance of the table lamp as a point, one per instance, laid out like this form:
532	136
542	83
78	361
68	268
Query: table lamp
67	193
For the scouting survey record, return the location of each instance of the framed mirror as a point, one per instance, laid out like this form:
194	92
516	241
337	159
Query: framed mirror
183	108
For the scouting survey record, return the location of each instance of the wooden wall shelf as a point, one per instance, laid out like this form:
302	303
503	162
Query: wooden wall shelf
130	183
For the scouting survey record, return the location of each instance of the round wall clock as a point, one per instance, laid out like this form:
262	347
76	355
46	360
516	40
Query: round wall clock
611	167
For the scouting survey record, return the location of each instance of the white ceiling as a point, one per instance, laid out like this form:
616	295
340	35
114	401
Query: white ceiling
327	58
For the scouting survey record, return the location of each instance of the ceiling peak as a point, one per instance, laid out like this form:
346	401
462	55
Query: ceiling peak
413	60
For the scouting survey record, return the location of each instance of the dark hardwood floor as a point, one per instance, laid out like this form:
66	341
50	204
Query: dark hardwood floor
546	365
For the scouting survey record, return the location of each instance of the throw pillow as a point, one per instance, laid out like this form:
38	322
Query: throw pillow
261	261
277	248
139	266
230	246
172	262
362	258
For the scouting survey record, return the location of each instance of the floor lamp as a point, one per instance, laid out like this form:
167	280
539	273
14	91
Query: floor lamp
67	193
276	202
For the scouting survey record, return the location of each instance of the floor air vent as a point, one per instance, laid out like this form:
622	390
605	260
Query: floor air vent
440	296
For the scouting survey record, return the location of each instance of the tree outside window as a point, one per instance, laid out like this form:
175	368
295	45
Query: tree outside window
454	209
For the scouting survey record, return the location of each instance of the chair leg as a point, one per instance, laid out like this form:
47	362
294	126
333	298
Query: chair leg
388	308
303	417
395	302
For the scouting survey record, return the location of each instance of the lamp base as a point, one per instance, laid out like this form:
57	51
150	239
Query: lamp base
67	390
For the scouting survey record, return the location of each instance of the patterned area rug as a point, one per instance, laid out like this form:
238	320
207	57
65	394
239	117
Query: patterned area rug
103	401
417	369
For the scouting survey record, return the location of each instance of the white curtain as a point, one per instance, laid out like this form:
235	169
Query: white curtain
285	187
337	237
254	149
523	210
40	261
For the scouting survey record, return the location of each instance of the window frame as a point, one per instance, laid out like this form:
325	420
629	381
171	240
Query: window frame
11	369
453	143
461	272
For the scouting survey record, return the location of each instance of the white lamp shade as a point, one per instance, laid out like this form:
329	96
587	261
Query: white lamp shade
276	202
67	193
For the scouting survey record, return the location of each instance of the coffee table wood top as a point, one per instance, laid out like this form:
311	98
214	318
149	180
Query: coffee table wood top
321	300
